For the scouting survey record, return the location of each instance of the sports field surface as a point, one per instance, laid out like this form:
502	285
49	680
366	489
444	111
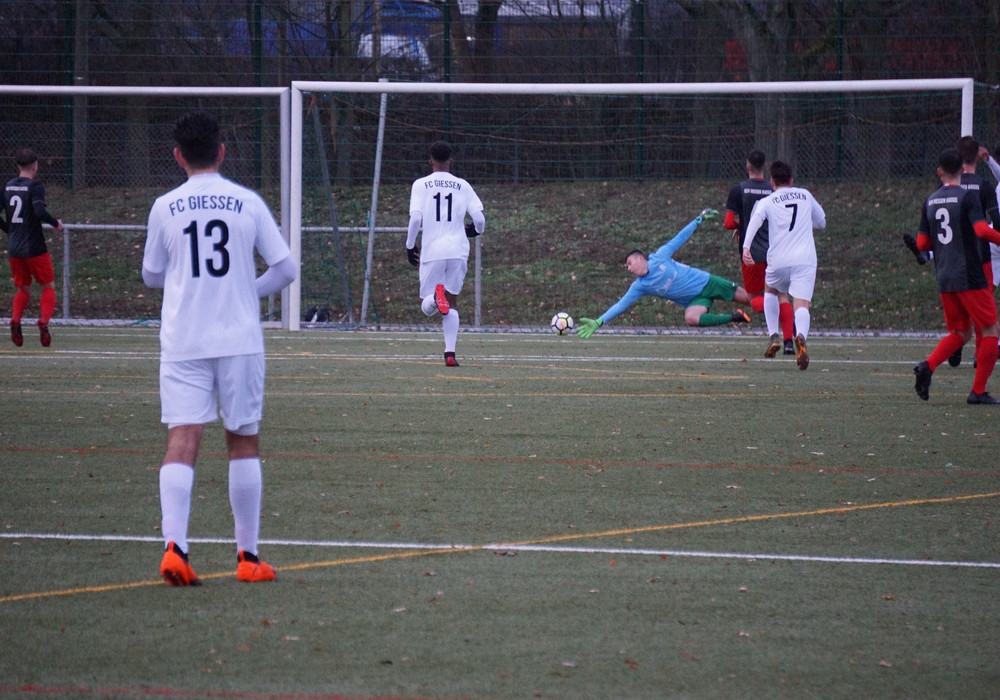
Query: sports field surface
632	516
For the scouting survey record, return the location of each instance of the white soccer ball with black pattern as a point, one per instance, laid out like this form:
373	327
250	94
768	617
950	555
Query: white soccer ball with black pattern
562	323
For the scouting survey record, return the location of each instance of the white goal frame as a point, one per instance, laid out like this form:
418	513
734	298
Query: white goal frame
283	94
965	86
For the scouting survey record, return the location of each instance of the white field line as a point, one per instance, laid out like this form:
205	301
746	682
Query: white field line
546	359
556	549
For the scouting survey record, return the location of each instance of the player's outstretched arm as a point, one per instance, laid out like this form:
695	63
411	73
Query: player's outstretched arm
588	326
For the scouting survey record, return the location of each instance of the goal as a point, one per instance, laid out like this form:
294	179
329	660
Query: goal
526	135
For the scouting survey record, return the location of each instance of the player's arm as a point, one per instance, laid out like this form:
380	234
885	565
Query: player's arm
276	277
412	229
478	224
732	220
38	206
674	244
818	215
983	230
753	226
993	166
587	326
153	280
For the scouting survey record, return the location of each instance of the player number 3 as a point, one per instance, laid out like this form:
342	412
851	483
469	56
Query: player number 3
218	265
944	221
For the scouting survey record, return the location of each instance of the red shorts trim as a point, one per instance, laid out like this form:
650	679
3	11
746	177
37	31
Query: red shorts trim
976	307
753	277
39	267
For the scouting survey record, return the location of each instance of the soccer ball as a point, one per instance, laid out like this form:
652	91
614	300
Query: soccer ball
562	323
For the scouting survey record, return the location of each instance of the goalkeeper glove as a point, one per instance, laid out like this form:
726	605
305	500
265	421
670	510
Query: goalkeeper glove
413	255
470	230
706	214
588	326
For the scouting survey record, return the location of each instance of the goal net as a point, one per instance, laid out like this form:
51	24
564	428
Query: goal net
574	176
105	153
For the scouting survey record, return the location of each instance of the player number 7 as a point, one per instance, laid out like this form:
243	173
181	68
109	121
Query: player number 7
795	212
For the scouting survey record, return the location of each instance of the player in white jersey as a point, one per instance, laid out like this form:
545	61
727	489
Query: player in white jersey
438	205
791	214
200	248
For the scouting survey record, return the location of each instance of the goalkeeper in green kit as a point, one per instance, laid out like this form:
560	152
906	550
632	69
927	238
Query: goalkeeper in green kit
661	276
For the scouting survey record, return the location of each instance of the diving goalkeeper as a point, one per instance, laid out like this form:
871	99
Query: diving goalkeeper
661	276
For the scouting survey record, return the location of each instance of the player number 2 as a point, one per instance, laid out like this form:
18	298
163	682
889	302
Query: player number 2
218	264
18	204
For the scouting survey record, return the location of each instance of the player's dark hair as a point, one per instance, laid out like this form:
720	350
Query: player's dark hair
781	172
440	152
25	157
756	160
968	148
197	135
950	161
635	251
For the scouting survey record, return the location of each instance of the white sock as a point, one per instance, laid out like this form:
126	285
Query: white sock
449	323
772	309
428	305
245	487
802	319
176	482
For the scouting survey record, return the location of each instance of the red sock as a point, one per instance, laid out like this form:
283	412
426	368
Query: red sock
48	304
986	359
786	317
757	303
21	300
946	347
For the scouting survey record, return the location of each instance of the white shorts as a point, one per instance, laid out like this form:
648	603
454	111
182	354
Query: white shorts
798	281
195	392
450	273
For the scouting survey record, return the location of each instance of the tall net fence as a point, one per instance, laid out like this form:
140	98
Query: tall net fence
570	183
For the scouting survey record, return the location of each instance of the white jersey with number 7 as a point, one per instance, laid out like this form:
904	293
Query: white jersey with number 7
791	214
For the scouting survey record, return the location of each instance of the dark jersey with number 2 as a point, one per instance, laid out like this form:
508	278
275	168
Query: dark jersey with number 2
24	207
948	217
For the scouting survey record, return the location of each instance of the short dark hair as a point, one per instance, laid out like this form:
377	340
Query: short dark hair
440	151
781	172
756	159
198	136
968	148
25	157
950	161
634	251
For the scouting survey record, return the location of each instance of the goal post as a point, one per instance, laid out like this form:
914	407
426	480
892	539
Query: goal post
182	98
964	86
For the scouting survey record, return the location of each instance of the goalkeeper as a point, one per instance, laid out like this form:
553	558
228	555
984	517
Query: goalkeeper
662	276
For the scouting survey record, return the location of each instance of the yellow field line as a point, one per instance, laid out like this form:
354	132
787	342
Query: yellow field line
543	540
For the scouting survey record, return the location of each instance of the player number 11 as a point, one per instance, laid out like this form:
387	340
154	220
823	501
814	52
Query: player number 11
437	202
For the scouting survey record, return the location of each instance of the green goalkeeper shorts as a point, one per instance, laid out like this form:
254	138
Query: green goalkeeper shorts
716	288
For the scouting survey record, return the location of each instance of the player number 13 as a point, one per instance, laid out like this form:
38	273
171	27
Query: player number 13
218	263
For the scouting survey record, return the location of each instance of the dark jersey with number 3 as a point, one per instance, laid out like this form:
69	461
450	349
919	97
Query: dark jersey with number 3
24	207
948	217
